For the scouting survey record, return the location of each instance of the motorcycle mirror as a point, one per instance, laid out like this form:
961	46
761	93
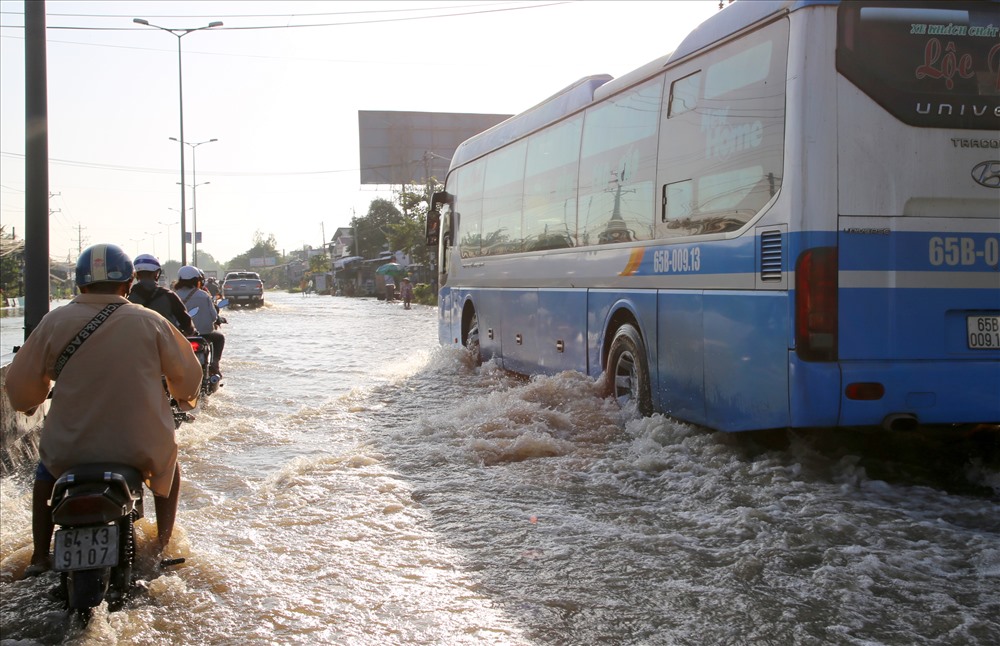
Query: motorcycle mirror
222	303
193	311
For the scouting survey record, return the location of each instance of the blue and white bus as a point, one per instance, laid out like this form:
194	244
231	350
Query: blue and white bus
791	221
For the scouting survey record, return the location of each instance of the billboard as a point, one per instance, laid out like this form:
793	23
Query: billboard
409	147
270	261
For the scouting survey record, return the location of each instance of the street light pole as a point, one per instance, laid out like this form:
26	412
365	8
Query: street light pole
152	236
180	33
194	196
167	225
194	222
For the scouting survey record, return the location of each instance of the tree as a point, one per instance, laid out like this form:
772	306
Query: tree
207	262
263	247
264	243
11	264
371	230
408	234
319	264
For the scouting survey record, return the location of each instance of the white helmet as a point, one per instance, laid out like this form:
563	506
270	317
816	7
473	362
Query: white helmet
187	272
146	262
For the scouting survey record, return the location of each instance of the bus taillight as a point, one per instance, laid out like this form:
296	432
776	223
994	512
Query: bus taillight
865	391
816	304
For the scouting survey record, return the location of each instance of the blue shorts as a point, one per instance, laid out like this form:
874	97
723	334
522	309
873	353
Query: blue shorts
42	474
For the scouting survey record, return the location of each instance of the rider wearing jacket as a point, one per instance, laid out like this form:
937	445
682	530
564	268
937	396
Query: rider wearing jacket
147	292
108	404
190	281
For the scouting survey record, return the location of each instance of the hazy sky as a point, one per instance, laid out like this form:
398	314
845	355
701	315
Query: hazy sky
282	99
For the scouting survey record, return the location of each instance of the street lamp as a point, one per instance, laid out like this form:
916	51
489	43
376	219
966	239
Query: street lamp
152	236
180	33
194	223
167	225
194	195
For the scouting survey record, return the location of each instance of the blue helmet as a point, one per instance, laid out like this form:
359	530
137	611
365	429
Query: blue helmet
103	263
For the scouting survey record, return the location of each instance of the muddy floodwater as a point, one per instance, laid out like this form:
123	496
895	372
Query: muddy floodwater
355	483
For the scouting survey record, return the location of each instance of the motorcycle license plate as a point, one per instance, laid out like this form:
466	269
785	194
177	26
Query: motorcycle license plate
85	548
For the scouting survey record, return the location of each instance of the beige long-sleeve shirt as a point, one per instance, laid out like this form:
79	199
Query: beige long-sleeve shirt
108	404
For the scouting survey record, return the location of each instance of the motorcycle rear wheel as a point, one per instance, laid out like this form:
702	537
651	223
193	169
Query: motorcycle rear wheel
120	585
86	589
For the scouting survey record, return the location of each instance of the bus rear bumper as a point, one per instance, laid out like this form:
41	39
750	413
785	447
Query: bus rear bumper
922	393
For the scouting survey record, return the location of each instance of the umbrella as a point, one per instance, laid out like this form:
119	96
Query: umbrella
343	262
391	268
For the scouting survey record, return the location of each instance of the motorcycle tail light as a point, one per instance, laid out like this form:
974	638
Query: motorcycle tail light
196	346
86	510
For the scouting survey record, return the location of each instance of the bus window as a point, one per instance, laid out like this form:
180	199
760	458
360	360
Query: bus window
720	164
550	177
677	199
502	190
468	208
617	167
936	67
684	94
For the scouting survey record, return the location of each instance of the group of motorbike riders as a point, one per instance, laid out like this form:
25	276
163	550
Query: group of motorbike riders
110	351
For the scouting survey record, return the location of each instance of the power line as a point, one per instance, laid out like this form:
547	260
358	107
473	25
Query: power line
306	25
202	53
257	15
169	171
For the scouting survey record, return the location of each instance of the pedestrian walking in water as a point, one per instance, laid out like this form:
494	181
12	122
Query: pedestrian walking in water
390	289
406	292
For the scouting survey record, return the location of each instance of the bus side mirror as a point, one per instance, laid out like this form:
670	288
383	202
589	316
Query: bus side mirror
433	228
433	231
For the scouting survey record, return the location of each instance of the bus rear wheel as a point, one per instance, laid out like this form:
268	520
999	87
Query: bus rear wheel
472	339
628	370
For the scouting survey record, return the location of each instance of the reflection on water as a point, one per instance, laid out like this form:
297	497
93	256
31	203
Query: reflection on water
11	332
12	329
354	483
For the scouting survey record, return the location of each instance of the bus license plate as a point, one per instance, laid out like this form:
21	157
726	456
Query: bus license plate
983	332
86	548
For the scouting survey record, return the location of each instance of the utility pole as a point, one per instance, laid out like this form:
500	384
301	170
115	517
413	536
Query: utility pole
52	211
36	167
79	249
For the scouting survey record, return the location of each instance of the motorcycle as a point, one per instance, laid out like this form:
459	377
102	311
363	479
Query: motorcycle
95	508
210	383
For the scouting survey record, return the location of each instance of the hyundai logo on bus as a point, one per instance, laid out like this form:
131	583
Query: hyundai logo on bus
987	174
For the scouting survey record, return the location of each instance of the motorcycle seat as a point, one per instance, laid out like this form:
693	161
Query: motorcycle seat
101	472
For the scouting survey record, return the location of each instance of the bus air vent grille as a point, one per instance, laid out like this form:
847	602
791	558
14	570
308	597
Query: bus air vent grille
770	256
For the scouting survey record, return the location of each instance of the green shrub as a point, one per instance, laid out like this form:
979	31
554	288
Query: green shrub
422	294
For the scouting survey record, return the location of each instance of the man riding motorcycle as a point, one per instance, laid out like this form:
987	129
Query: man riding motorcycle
189	287
109	358
147	292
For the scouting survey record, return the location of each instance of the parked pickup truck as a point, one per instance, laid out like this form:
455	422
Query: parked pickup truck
243	288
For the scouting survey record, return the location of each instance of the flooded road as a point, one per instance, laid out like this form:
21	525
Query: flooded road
354	483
